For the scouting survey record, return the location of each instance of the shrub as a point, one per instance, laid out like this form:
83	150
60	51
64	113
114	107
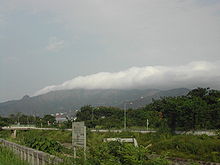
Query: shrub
43	144
121	154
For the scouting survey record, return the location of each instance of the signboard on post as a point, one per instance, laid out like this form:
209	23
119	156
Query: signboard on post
78	136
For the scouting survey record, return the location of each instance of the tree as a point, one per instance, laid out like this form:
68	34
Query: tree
199	92
47	119
85	113
4	121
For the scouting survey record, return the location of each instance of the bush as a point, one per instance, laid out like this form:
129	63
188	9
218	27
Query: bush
43	144
121	154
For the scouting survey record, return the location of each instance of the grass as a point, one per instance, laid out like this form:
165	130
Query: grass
202	147
7	157
206	148
60	135
4	134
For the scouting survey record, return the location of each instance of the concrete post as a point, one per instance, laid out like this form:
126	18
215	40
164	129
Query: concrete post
43	160
38	162
25	155
14	133
32	158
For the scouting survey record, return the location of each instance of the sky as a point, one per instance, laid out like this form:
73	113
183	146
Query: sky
50	45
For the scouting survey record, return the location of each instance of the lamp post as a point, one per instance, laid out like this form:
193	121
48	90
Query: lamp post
18	123
125	114
147	124
92	114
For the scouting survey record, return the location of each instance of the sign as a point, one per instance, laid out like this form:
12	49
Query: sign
79	137
78	134
127	140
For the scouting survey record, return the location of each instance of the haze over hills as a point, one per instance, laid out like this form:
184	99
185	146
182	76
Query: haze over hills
66	100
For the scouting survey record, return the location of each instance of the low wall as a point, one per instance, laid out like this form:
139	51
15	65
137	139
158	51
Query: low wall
34	157
180	161
209	133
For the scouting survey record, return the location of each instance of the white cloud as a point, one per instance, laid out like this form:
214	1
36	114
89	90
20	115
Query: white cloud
55	45
191	75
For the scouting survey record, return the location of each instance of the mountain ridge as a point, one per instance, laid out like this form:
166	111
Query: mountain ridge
66	100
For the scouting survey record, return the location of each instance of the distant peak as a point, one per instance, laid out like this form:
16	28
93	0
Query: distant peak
25	97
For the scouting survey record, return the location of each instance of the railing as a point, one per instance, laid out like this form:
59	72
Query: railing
34	157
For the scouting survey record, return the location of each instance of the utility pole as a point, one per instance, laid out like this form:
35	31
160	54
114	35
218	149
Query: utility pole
147	124
18	119
92	114
125	114
27	120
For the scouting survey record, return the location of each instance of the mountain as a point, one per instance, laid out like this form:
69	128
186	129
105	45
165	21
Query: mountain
65	100
146	99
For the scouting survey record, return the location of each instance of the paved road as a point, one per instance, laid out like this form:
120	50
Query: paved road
93	130
121	130
27	128
209	133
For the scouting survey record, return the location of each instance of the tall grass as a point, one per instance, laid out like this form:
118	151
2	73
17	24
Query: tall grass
184	146
7	157
188	146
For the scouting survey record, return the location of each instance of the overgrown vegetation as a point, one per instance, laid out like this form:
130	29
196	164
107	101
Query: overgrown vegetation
111	117
7	157
43	144
200	109
121	153
188	146
201	147
22	119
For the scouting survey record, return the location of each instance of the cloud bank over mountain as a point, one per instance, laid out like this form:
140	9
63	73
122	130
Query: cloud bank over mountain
200	73
61	39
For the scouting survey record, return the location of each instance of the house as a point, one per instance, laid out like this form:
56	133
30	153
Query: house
60	117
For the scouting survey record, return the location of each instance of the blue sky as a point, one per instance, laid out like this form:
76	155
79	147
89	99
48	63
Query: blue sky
44	43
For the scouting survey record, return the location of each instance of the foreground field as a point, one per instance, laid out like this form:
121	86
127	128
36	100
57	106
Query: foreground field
183	146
